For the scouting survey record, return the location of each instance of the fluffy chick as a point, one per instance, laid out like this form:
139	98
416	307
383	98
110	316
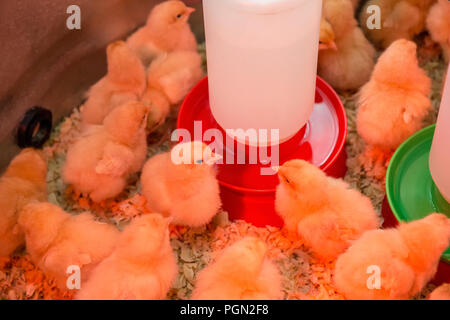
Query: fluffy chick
142	267
175	74
182	184
441	293
124	82
167	30
355	4
438	24
325	212
407	258
56	240
326	36
346	58
24	181
393	104
159	108
169	79
241	272
98	164
399	19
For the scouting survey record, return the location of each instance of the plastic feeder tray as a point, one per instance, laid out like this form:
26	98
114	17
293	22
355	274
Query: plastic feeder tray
248	195
410	191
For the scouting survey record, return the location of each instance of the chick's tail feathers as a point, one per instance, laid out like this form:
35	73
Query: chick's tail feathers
115	161
375	161
324	234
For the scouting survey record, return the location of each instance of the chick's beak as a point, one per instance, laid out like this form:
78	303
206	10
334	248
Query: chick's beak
333	46
190	11
281	172
283	175
213	159
328	46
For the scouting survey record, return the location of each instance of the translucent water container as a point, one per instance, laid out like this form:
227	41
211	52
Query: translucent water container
440	150
262	64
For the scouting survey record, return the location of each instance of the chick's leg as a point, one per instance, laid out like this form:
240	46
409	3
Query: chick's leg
375	161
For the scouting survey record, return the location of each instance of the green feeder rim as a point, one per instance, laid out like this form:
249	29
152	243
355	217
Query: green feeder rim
410	189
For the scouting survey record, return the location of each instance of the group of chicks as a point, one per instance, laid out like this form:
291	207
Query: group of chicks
148	74
393	92
393	99
347	57
340	224
335	222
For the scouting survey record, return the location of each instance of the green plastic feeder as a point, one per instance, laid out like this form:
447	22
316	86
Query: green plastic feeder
410	190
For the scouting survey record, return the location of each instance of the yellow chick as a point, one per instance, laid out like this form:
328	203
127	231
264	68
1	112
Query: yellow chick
98	164
241	272
24	181
167	30
124	82
346	57
159	108
170	78
441	293
56	240
182	184
393	104
142	267
325	212
326	36
393	264
438	24
399	19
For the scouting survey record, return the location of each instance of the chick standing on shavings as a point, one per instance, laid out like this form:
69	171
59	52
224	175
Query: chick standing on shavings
241	272
24	181
399	19
393	104
124	82
323	211
99	163
142	267
407	258
169	79
438	24
182	184
56	240
346	57
167	30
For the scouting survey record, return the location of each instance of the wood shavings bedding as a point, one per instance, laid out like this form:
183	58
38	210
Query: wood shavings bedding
304	277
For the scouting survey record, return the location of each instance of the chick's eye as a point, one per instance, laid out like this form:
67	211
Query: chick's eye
287	180
179	15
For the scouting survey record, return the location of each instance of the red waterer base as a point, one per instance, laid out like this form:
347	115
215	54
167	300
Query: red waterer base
443	273
248	195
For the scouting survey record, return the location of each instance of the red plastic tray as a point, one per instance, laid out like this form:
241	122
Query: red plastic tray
245	193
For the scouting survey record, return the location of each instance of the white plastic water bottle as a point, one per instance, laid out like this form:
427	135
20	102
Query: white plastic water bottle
262	63
440	150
